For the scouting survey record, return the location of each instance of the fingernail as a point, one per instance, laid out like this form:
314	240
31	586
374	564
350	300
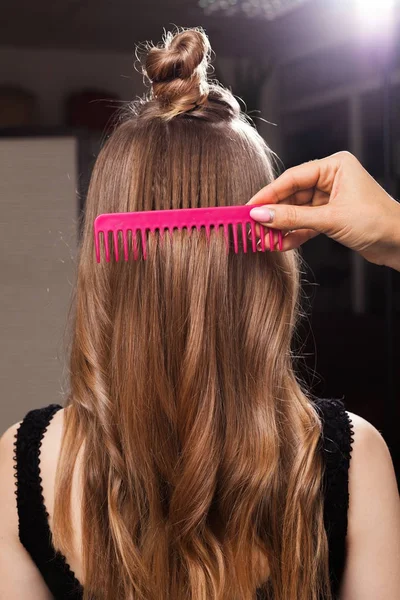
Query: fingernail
263	214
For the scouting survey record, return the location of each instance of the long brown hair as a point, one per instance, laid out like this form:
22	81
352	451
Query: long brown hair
202	473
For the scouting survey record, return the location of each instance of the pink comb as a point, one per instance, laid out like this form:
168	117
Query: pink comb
180	218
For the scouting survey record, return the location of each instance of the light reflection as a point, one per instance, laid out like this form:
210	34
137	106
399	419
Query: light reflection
269	9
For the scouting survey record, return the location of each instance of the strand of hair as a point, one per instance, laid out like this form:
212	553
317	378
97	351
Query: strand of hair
129	239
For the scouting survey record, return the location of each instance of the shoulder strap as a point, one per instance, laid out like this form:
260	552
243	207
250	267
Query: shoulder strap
337	439
33	524
34	530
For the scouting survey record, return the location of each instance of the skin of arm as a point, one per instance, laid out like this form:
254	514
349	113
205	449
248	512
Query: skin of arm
20	579
372	570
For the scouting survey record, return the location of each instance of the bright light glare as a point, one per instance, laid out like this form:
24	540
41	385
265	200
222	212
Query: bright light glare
374	14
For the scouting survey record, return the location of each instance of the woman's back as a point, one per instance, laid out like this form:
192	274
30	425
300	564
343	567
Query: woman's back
38	438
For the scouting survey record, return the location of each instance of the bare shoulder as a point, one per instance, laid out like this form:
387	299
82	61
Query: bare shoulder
48	458
8	438
370	454
7	448
372	477
19	576
373	537
363	429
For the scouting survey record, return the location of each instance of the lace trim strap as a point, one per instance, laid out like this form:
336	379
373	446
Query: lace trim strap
33	524
337	440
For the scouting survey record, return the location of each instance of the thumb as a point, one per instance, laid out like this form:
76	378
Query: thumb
291	217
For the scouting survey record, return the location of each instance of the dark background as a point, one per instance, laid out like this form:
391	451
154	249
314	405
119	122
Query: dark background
318	79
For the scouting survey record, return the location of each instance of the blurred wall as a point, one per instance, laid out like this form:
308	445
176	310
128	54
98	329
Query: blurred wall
38	239
53	74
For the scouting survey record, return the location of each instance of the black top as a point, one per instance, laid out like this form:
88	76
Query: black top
34	531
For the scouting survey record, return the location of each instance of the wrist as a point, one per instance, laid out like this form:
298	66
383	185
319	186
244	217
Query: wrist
392	258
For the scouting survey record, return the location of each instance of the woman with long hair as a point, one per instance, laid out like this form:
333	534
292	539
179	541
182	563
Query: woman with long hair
188	462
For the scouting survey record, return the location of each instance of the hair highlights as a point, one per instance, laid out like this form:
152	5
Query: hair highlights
201	465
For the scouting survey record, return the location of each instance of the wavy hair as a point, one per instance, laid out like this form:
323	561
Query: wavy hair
202	471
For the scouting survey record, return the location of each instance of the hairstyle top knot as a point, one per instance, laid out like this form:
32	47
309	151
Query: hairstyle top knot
178	72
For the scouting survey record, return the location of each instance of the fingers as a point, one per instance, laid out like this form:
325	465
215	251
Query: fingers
298	183
291	182
301	197
297	238
290	217
291	240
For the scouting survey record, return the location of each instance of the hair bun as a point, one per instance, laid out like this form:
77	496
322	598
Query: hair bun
178	71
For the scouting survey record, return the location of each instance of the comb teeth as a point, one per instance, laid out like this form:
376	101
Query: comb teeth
167	220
